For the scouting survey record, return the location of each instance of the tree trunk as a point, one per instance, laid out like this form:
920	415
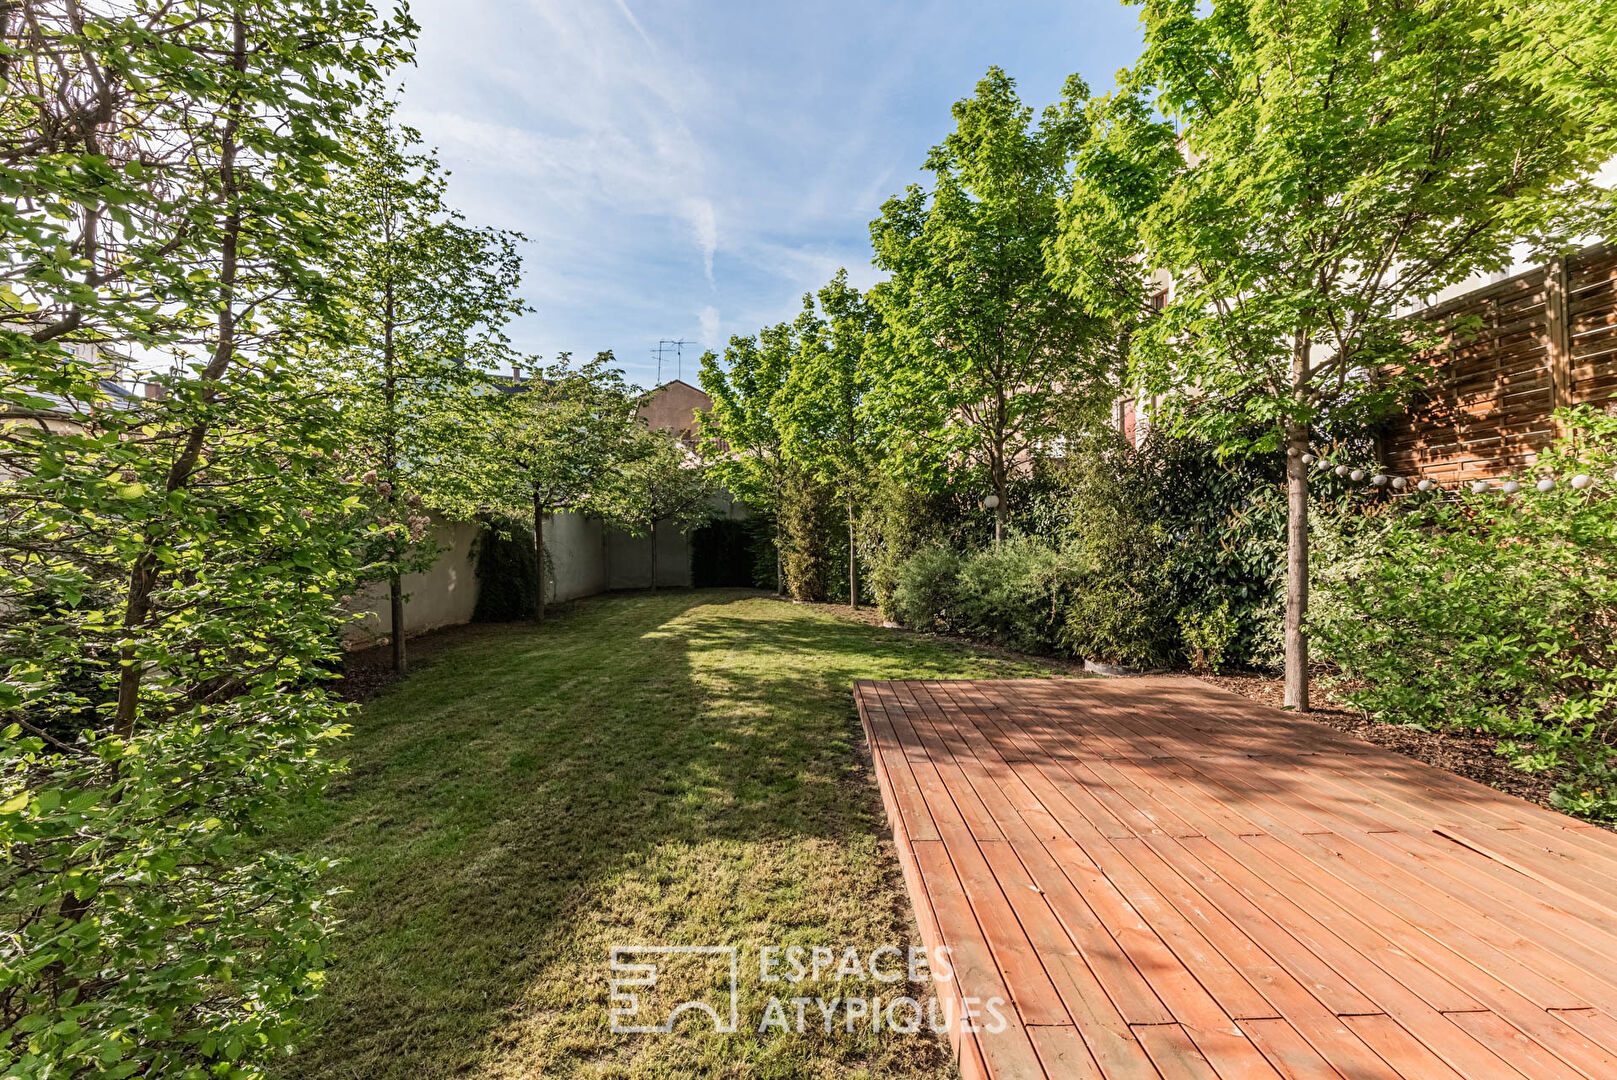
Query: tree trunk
395	606
853	560
144	572
1296	696
538	558
653	556
1002	512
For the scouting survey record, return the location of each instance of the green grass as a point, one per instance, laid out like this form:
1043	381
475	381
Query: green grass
681	768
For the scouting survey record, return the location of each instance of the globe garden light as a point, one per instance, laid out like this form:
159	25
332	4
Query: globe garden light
1342	470
1478	487
1426	485
1399	482
1511	487
1547	484
1379	479
1582	481
990	502
1356	475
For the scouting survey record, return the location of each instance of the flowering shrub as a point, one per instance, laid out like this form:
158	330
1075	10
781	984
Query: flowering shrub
1493	610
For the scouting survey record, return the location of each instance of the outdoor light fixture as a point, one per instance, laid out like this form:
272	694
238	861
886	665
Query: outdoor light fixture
1399	482
1582	480
1379	480
1478	486
1342	470
1356	475
1546	484
1511	487
1426	485
1308	459
990	502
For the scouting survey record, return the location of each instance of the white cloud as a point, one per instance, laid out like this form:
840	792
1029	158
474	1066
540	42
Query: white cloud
709	317
705	226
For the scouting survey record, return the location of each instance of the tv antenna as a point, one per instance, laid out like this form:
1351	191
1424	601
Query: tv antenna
679	356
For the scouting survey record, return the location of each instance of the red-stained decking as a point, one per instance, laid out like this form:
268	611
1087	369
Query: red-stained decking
1167	880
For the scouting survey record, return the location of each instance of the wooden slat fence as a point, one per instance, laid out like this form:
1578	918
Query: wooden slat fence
1549	339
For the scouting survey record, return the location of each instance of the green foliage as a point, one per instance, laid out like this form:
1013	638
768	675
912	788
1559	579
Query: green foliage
425	298
559	440
825	426
507	590
170	571
925	588
1123	604
1492	611
981	358
1207	635
897	520
741	434
809	536
1016	594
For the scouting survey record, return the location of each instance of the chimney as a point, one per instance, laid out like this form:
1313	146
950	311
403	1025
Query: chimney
155	391
516	372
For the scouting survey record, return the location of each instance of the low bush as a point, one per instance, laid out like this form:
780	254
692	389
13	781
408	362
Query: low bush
1015	595
1492	611
926	587
1207	636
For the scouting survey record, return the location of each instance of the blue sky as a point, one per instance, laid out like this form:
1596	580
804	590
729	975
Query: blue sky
690	169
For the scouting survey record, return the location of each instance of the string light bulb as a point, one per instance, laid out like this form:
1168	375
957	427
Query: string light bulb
1342	470
1379	479
1582	481
1511	487
1309	459
1426	485
1356	475
1478	487
1547	484
1399	482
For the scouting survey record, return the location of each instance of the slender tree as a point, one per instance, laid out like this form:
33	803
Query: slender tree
1340	162
426	296
980	351
557	441
825	425
741	435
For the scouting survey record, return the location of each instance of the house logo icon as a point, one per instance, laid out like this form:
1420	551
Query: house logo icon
634	975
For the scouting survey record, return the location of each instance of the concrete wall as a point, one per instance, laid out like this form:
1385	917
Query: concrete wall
577	556
586	558
446	595
628	559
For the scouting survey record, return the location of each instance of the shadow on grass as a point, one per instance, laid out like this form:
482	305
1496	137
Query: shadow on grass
677	768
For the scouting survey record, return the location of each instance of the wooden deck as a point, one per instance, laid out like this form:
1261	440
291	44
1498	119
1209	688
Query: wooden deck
1166	880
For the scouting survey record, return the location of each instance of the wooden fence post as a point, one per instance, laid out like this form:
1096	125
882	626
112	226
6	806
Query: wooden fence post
1558	331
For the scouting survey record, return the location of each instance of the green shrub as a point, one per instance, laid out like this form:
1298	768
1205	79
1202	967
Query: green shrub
1014	595
1122	606
897	521
813	539
927	589
1493	611
1207	635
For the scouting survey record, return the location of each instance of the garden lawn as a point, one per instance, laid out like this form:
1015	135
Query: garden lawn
675	768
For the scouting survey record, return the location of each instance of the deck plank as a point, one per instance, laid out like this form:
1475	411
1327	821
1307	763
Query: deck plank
1162	880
